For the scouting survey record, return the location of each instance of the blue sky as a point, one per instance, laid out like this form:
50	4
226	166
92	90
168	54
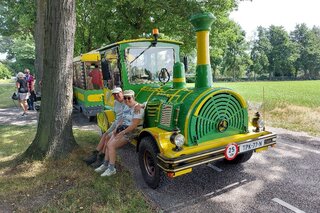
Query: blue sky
286	13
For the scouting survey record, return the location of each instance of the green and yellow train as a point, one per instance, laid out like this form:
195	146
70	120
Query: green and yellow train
183	127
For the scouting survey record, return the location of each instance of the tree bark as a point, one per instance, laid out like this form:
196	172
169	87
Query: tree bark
54	137
39	40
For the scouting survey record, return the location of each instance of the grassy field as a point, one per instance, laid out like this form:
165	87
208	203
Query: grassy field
293	105
66	185
6	90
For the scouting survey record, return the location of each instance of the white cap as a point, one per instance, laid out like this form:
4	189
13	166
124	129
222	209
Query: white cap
128	93
116	90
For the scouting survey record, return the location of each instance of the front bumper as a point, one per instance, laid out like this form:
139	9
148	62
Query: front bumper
178	164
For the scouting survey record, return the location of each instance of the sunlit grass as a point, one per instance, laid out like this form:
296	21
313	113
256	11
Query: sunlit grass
66	185
299	93
6	91
293	105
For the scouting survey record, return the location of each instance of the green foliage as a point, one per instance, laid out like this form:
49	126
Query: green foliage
235	58
17	17
100	23
5	73
20	53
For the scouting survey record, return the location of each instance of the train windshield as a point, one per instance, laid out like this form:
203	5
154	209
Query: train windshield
144	65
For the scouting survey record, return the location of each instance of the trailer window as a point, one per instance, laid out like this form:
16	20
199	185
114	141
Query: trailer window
144	67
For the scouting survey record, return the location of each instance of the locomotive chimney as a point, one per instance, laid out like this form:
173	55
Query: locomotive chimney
202	24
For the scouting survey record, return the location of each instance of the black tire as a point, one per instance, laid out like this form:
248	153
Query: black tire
241	158
151	172
92	118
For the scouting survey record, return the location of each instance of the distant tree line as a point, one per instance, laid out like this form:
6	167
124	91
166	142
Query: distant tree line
282	55
272	54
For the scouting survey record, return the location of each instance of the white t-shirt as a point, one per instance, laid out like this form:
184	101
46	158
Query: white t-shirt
118	109
128	115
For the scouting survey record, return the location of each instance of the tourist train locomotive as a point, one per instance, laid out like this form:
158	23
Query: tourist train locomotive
183	127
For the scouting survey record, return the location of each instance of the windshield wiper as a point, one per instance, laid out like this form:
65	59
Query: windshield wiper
142	53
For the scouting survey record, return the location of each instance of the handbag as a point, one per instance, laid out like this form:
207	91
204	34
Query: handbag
14	96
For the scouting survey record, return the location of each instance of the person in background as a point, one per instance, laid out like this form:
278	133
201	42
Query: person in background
96	159
96	76
22	87
32	97
128	128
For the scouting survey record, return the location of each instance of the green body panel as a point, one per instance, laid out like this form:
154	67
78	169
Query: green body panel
90	102
204	76
179	76
169	108
202	21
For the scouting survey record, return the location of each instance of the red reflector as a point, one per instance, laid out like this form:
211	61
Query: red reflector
170	174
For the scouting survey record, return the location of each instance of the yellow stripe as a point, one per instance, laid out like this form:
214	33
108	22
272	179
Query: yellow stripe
242	101
94	98
203	48
80	96
212	144
146	39
90	57
178	80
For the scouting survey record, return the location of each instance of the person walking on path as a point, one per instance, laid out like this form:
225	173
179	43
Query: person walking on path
22	87
30	80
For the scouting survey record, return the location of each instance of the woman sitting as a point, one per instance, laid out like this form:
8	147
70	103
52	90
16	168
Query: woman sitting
128	128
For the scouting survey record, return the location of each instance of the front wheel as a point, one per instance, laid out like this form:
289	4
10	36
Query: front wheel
151	172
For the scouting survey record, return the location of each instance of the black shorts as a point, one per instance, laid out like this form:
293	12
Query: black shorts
121	128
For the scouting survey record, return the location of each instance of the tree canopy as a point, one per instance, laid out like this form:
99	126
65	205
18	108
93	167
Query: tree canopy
273	52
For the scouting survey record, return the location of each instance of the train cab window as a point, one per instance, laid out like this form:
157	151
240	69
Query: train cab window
110	69
144	65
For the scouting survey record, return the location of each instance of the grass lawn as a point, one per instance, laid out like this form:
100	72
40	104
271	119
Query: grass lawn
293	105
66	185
6	91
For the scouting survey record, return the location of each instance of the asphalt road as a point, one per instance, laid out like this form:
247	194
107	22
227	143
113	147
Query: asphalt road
285	178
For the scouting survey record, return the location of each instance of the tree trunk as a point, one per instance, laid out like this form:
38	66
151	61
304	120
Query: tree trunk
54	137
39	39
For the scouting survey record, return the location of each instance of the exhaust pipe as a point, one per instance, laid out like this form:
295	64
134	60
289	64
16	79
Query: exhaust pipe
202	24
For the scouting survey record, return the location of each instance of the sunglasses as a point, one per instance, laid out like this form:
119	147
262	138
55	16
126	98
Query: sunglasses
127	98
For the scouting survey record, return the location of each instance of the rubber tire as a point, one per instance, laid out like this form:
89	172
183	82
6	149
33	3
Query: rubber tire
241	158
148	149
92	118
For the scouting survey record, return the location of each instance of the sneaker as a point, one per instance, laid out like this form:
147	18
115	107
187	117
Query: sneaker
101	168
109	172
92	158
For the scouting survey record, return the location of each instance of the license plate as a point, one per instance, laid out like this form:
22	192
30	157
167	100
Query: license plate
250	146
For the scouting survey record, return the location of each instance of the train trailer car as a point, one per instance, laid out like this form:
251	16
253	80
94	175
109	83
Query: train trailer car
183	127
87	99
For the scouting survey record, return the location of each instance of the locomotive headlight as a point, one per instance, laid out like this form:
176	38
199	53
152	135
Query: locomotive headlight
178	140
